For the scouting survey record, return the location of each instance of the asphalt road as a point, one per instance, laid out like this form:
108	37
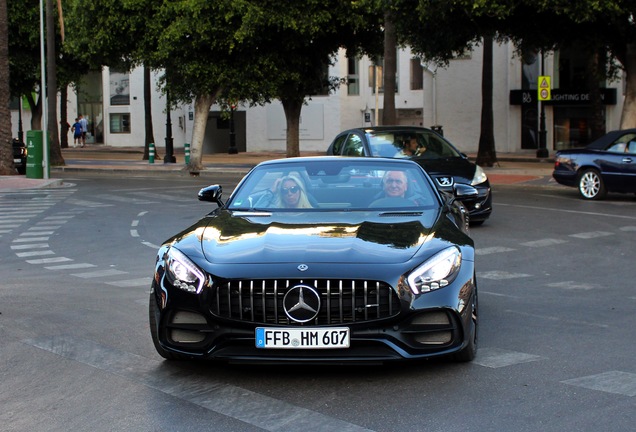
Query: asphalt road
556	350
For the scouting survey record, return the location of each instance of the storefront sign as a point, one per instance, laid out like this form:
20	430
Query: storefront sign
561	97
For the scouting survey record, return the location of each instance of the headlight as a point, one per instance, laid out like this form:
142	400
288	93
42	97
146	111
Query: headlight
182	272
479	177
439	271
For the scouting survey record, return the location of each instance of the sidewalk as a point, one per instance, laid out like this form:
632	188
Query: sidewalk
513	168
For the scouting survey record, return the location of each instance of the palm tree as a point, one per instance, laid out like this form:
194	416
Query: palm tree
6	149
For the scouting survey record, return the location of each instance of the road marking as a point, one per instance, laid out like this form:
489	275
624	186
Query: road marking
579	212
37	233
99	273
572	285
86	203
132	282
70	266
34	253
49	260
247	406
151	245
617	382
30	239
501	275
557	319
492	250
543	242
30	246
496	358
119	198
628	228
592	234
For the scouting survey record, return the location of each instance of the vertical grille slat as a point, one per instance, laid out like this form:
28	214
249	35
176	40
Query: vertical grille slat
342	301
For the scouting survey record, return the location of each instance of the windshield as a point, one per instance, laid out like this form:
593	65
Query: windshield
410	143
338	184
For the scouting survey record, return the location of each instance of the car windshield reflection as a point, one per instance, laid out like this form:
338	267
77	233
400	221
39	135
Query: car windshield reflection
336	185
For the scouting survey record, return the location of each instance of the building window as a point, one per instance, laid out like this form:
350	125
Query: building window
119	88
376	74
417	74
353	76
120	123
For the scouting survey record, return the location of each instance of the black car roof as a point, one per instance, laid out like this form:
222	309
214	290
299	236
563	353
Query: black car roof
605	140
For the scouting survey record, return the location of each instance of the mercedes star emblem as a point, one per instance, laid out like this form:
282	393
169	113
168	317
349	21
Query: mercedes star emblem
301	303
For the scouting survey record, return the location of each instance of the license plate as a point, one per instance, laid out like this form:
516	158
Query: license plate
17	160
302	338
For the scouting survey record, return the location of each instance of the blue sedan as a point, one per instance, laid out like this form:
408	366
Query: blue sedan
606	165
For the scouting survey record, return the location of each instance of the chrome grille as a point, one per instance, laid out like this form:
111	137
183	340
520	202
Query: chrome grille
342	301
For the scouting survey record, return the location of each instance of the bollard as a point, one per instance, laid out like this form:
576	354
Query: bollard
151	153
186	150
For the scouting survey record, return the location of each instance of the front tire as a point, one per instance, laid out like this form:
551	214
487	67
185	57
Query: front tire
591	185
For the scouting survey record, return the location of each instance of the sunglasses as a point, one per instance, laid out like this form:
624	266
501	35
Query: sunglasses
292	189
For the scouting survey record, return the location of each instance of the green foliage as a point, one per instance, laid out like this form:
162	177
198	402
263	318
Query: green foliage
24	45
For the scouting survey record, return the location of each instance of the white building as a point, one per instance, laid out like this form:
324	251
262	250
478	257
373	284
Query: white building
447	97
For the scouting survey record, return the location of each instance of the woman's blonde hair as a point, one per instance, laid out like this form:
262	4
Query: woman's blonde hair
303	201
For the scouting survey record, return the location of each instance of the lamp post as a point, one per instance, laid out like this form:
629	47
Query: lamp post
169	157
45	134
542	151
232	149
20	131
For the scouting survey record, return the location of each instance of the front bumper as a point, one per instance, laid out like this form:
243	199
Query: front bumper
434	324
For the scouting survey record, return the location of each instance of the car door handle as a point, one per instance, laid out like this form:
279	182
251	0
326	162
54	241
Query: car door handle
627	160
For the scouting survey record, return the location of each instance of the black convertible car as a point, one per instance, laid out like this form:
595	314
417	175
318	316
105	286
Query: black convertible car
445	163
605	165
321	259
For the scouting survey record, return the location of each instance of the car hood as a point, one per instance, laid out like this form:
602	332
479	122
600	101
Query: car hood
460	168
354	238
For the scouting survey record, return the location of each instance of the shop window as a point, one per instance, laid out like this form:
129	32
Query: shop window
120	123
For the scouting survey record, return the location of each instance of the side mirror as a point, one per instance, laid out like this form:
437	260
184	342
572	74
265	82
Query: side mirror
211	193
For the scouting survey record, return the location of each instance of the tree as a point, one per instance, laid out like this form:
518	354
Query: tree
24	55
299	41
206	61
114	33
6	150
439	31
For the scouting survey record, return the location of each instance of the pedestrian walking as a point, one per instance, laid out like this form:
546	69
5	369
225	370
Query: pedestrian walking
77	133
84	124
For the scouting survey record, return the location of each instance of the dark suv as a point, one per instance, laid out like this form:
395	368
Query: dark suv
19	156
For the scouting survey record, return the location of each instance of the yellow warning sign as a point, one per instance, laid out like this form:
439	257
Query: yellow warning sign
544	88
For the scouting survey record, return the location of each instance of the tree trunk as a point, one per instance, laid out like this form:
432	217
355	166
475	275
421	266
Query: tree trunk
486	155
594	74
6	150
292	110
202	105
150	136
36	110
390	67
628	118
64	125
55	152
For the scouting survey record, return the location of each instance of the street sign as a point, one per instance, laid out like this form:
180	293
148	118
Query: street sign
544	88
